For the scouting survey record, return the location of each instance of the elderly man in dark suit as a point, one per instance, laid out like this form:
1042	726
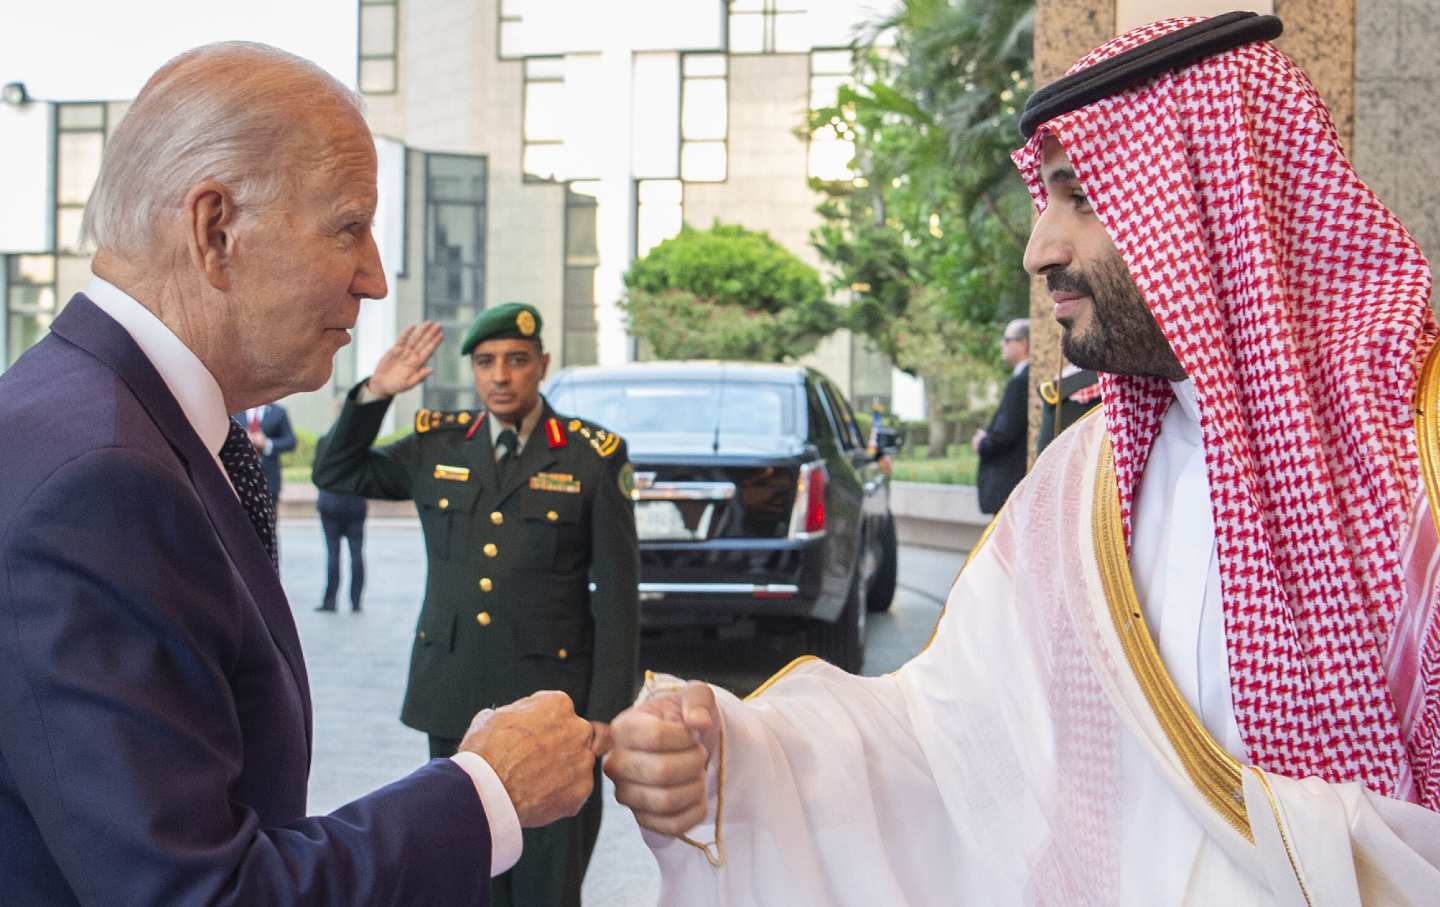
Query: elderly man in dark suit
154	711
1002	446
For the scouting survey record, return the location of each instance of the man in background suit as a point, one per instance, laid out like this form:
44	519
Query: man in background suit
268	427
154	709
1002	446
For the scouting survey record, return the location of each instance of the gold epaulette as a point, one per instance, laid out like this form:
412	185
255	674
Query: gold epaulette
604	442
428	420
1049	392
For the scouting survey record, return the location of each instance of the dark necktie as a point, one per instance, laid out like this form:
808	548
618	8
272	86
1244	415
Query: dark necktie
508	441
242	465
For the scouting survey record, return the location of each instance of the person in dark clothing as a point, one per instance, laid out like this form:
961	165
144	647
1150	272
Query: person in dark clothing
1002	446
342	516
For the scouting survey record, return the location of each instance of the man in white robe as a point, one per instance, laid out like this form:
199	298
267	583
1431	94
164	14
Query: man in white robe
1196	659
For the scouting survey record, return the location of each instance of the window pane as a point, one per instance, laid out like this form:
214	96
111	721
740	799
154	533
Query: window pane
377	76
580	235
704	64
32	269
660	213
377	31
794	33
655	142
456	234
32	300
544	162
79	165
830	157
81	116
455	178
747	34
67	229
544	68
544	111
746	6
831	62
704	113
25	331
797	6
824	90
703	162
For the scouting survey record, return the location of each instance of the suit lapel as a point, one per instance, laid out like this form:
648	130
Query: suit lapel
85	325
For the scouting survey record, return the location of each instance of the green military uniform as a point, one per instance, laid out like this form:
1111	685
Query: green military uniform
532	585
1065	401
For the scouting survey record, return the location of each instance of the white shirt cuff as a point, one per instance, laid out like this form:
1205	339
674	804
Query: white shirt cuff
505	840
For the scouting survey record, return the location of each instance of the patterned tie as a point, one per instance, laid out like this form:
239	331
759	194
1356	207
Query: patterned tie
508	441
242	465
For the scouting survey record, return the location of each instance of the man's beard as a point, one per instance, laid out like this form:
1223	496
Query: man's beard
1122	337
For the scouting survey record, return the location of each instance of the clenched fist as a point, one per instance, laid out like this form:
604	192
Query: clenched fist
543	753
660	750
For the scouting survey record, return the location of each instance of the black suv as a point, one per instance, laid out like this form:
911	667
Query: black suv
756	497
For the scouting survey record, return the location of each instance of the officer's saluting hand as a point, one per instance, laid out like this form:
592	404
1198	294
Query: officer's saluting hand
531	549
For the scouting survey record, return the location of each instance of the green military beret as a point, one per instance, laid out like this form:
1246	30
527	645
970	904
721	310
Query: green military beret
513	319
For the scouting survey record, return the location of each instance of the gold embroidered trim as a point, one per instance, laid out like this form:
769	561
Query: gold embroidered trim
1427	429
714	851
1213	771
1284	838
775	678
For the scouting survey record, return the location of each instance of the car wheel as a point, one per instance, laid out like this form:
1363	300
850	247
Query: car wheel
881	592
842	643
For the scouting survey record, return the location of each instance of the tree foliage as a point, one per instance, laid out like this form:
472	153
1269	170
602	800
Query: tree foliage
726	293
929	234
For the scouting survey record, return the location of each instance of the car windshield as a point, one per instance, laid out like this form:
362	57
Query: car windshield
685	407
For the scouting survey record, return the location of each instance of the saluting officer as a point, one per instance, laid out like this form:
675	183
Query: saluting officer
533	560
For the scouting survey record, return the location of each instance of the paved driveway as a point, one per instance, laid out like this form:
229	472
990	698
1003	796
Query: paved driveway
357	676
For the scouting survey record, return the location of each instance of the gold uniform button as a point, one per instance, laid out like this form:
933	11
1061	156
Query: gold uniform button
422	634
486	585
491	550
483	618
444	502
552	516
562	654
497	518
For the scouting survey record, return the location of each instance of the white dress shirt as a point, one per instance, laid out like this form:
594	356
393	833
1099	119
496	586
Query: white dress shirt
523	431
1177	578
203	404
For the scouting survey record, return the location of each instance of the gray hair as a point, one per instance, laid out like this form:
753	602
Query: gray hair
223	111
1019	328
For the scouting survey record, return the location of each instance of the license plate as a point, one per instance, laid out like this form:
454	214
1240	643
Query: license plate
662	521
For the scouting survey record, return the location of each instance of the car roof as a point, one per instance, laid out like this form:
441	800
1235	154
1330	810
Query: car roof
695	370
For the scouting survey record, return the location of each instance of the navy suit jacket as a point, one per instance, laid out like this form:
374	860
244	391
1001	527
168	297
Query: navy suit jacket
154	709
275	425
1003	451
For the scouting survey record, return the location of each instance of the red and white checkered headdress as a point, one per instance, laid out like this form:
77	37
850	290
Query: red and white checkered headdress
1298	305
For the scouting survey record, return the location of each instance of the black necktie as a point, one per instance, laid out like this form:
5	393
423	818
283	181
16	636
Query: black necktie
242	465
508	441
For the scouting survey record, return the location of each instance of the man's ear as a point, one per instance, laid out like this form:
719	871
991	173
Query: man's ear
209	216
544	365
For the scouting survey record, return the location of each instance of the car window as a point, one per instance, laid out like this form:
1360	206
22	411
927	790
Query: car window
685	407
849	431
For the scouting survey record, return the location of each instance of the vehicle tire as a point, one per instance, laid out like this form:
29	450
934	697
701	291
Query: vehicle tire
842	643
881	592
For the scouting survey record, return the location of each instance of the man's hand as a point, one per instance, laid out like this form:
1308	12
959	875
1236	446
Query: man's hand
661	748
257	440
543	753
403	365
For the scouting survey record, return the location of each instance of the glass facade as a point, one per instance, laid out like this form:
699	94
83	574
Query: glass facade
455	202
31	302
379	46
79	147
704	117
582	257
